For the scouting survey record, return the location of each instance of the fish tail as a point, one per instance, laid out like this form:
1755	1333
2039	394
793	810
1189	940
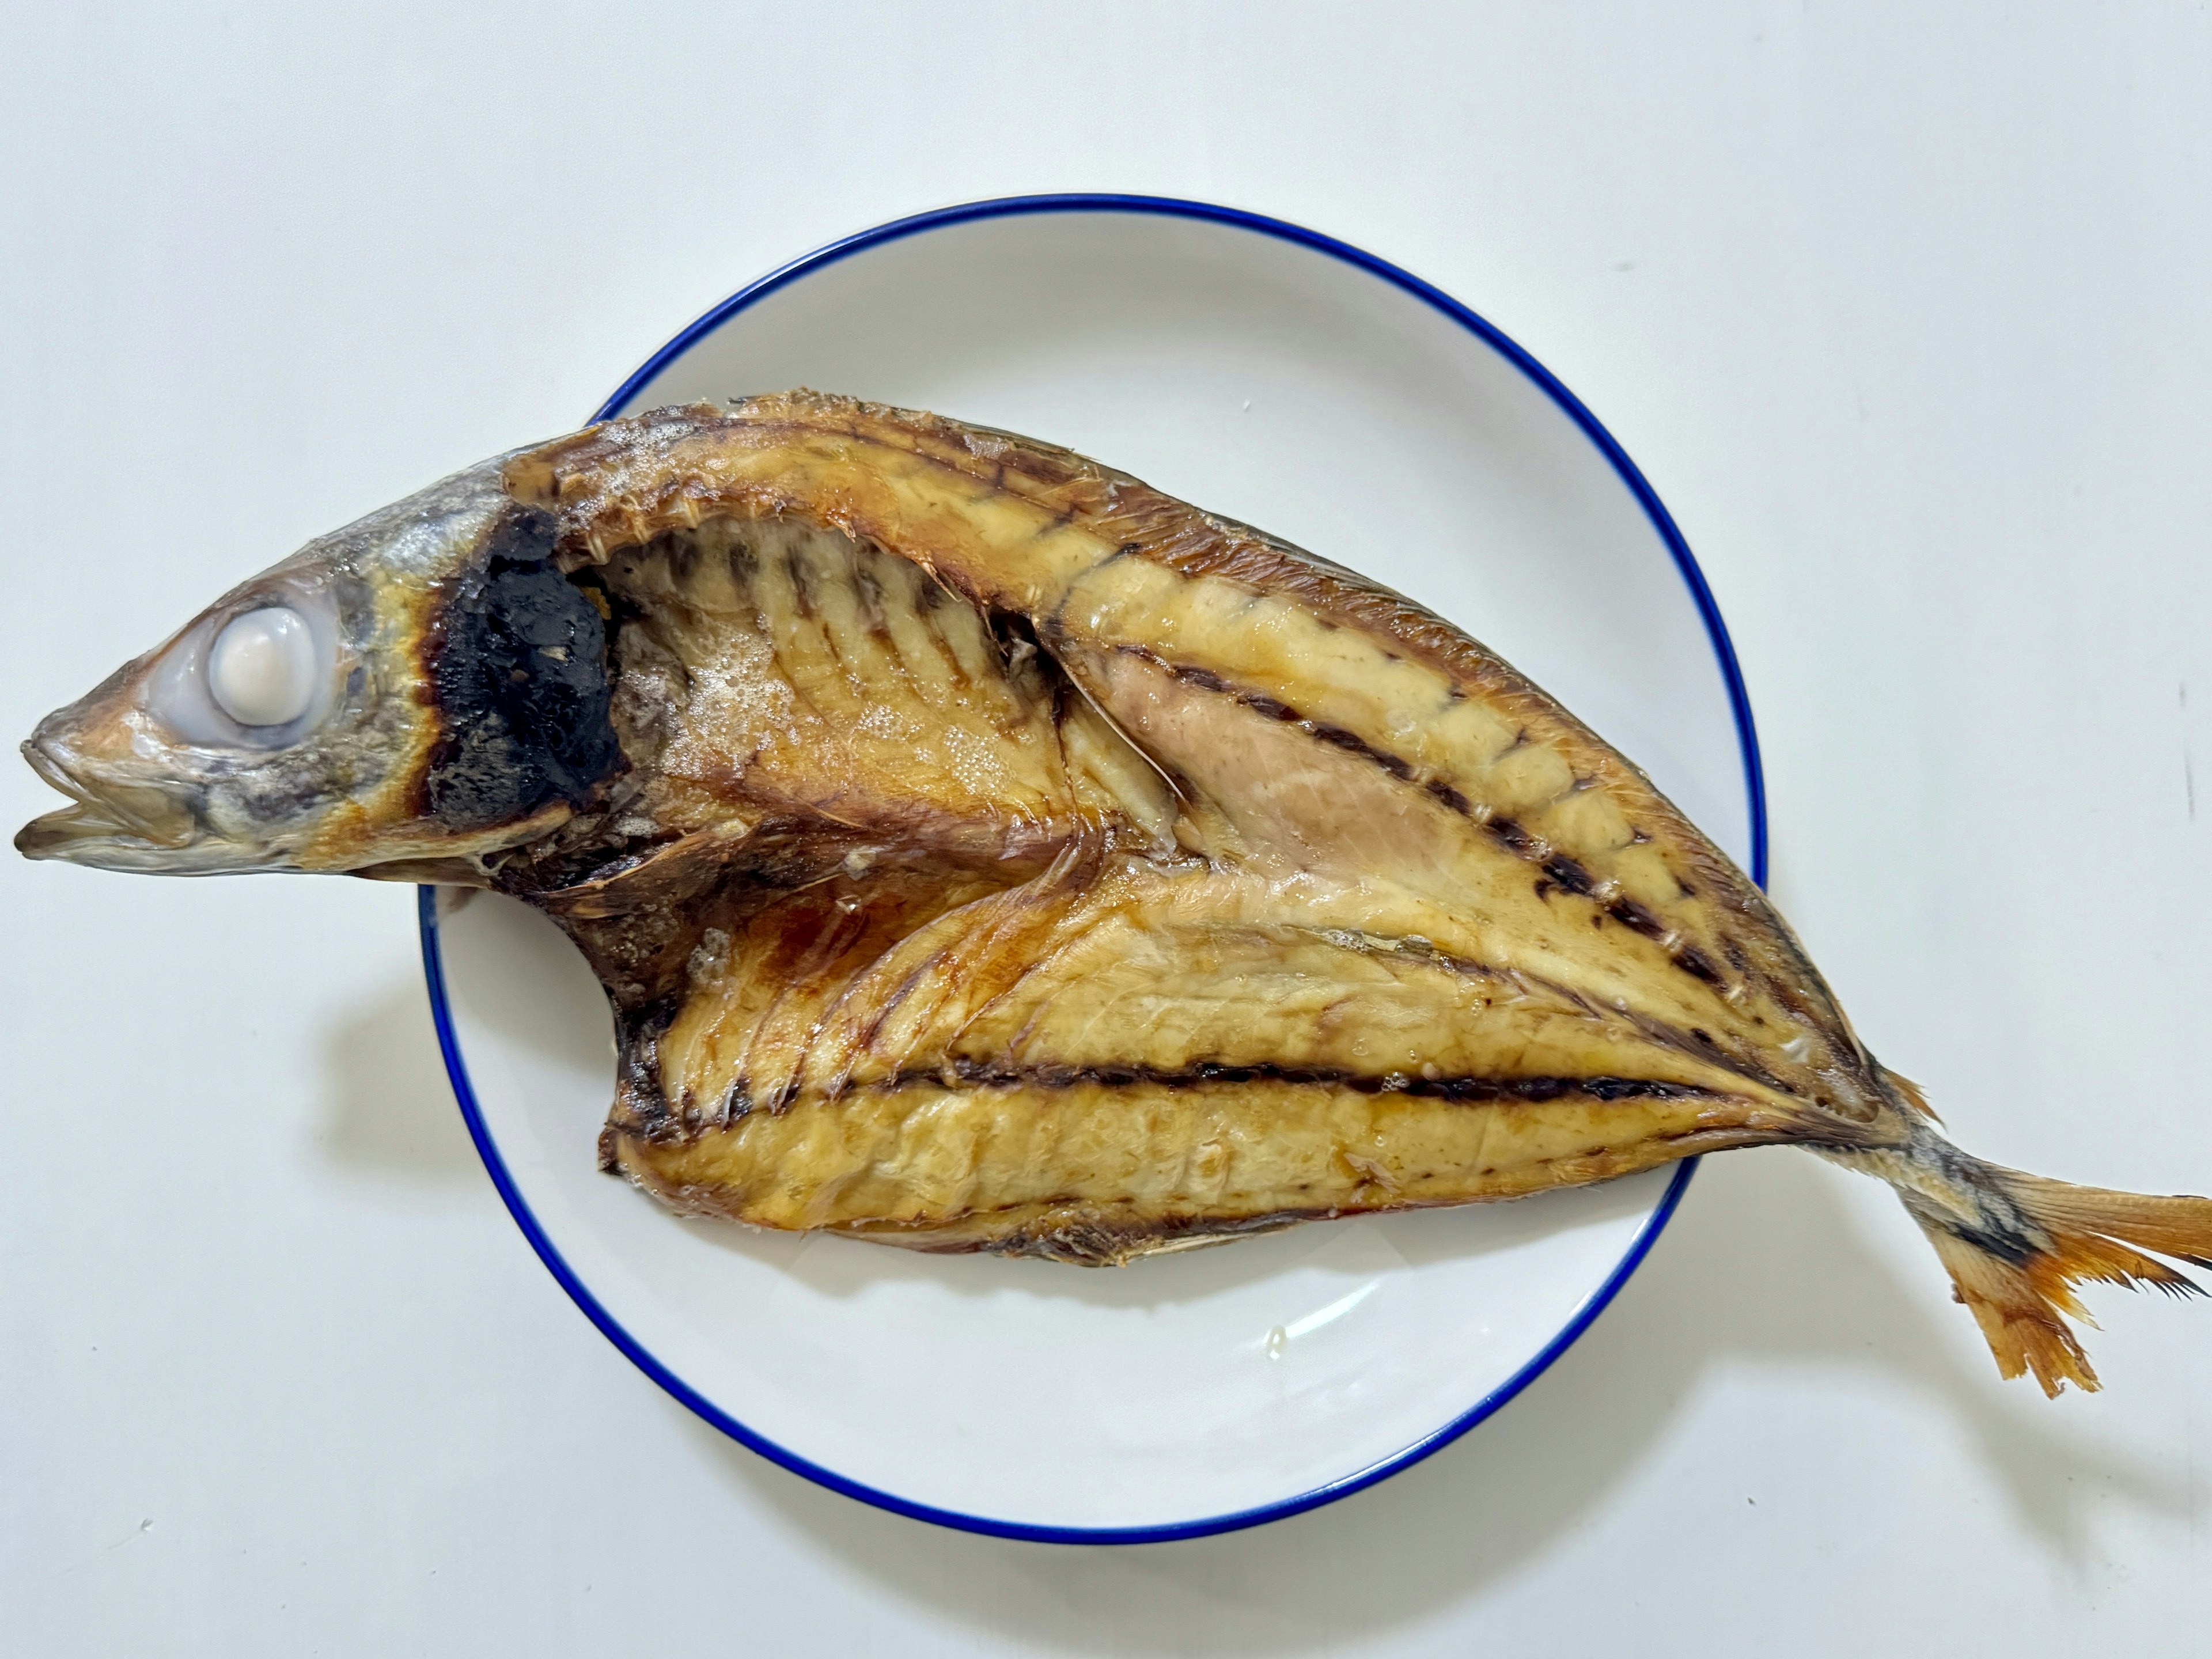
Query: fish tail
2015	1246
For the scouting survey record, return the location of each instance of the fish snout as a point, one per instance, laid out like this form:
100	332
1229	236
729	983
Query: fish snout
126	811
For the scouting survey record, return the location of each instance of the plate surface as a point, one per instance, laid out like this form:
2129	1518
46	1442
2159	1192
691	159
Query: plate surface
1273	376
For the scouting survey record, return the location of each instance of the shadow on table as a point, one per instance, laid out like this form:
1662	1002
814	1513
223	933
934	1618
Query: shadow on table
388	1107
1763	1261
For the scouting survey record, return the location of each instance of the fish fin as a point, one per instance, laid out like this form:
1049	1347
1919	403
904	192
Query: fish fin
1909	1092
2015	1246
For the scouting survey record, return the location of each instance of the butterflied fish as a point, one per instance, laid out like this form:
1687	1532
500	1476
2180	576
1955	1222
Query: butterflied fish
981	850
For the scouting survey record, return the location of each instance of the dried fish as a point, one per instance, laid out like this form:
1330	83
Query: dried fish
983	851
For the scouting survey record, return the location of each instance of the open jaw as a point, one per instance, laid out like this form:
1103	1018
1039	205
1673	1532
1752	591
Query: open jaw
112	822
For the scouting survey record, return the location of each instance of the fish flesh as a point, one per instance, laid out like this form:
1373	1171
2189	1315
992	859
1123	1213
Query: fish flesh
983	851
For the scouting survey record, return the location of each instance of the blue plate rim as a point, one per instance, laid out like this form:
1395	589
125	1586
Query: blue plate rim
1717	635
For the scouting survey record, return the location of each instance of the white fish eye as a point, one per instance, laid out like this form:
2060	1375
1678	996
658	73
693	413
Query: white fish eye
263	670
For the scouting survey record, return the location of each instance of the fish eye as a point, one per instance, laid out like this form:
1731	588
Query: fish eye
252	672
262	671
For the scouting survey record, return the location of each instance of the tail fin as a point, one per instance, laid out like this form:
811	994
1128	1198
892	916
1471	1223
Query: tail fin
2016	1245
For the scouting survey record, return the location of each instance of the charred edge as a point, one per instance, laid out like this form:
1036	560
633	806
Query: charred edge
1020	643
517	664
642	1108
992	1074
610	1149
737	1104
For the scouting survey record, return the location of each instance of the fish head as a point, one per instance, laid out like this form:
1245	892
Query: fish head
401	698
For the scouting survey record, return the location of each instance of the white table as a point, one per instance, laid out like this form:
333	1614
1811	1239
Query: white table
1903	311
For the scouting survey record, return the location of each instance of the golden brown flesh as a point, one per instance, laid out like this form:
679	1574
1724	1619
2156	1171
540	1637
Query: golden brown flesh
1015	858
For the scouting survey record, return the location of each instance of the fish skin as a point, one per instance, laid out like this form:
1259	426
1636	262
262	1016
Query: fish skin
982	850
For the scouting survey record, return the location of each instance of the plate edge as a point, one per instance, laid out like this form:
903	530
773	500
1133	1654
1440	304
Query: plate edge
1755	798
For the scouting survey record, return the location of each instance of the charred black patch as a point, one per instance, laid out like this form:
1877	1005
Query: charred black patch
518	672
1259	703
642	1109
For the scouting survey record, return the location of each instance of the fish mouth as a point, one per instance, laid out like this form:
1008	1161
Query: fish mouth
82	833
115	823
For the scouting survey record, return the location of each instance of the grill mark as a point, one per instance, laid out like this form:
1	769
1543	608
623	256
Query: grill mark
1530	1090
1564	872
1337	737
1204	678
839	663
878	603
1696	963
801	571
956	671
867	584
1633	916
1514	838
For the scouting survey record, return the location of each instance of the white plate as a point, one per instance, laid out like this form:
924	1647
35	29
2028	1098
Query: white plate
1270	375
